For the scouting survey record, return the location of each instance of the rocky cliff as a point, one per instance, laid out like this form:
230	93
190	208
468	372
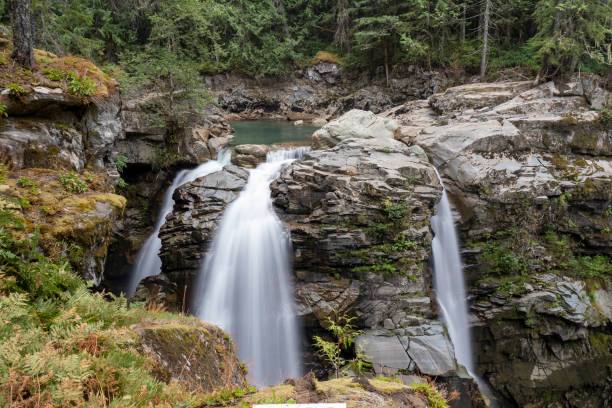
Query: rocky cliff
528	171
325	90
530	174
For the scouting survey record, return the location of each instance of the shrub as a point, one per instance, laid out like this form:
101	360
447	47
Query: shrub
73	183
25	182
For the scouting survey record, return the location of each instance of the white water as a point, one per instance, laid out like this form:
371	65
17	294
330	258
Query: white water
449	282
451	294
148	262
244	284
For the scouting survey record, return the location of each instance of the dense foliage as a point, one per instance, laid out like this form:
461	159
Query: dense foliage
164	38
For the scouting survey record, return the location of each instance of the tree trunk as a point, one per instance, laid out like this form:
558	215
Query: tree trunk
23	40
462	34
387	63
485	40
281	10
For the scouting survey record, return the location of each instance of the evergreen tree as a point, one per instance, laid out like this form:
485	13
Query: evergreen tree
569	30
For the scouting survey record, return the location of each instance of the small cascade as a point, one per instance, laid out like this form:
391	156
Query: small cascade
451	293
148	262
244	284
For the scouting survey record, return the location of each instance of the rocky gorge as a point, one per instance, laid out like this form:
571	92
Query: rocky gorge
528	170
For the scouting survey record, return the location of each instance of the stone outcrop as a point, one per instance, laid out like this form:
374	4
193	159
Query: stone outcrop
196	354
249	155
50	128
354	124
324	90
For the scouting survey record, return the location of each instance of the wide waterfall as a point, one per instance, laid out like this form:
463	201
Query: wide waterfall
244	284
148	262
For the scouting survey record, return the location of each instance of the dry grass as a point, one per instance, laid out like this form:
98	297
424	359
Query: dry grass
326	56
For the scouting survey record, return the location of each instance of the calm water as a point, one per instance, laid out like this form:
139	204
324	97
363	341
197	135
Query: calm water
270	132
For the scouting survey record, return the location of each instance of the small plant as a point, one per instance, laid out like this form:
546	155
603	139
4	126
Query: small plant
395	211
2	60
16	90
3	113
34	191
605	117
72	183
27	71
61	126
53	74
80	86
121	183
121	162
345	333
434	398
25	182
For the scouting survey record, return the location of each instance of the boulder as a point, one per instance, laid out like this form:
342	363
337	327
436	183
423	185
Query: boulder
249	155
198	355
433	355
354	124
385	352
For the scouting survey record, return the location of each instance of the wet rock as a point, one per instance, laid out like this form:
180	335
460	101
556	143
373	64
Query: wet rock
386	354
190	227
249	155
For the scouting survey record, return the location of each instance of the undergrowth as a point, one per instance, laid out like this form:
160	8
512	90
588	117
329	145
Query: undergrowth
64	346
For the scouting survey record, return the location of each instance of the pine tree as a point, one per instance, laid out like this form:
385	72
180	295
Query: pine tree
569	30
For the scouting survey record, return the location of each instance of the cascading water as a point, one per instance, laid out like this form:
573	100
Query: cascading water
148	262
244	284
450	288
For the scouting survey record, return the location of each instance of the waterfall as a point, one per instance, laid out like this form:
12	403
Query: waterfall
244	285
449	282
148	262
450	290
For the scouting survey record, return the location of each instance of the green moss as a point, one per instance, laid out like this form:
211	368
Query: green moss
601	342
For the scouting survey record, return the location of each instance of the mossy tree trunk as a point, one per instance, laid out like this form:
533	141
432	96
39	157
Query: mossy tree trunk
23	41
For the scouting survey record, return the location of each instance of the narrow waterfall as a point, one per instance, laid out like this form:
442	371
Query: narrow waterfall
148	262
449	281
244	284
451	293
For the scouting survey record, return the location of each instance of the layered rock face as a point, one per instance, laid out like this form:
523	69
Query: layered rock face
530	174
359	216
325	90
153	154
48	135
